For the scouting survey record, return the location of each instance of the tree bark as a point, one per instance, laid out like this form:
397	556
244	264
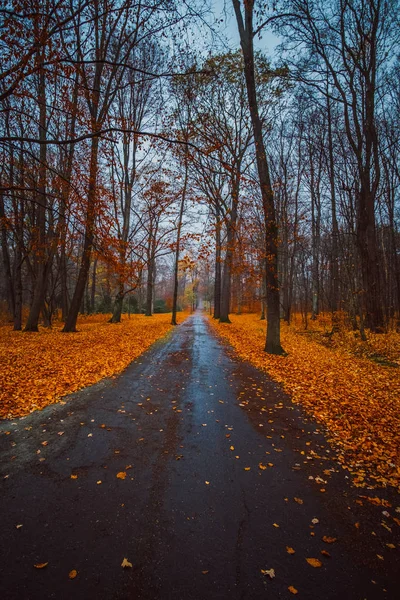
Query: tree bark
70	323
178	240
273	341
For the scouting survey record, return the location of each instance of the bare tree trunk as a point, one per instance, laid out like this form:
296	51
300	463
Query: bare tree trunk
178	240
334	259
246	32
70	323
217	280
43	258
6	260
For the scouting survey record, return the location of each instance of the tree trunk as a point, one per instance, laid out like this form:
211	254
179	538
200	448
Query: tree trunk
273	341
178	240
118	302
231	221
6	260
43	258
217	280
70	323
149	288
334	259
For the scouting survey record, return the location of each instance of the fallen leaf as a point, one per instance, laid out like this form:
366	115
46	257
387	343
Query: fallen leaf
314	521
325	553
19	527
290	550
41	565
292	589
314	562
269	572
329	540
261	466
275	525
247	468
125	563
121	475
298	500
98	482
205	572
74	476
207	482
72	574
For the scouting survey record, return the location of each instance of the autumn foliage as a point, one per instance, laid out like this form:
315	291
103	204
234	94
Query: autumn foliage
37	369
357	399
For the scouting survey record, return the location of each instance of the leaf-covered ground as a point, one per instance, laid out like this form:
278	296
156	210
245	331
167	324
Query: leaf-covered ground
37	369
357	399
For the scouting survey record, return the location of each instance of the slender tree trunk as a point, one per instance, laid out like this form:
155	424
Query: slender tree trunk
149	288
43	258
6	259
178	240
231	221
217	279
246	32
70	323
334	259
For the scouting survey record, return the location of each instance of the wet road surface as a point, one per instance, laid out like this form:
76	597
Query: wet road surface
223	474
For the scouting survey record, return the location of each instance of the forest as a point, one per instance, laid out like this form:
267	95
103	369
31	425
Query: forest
200	299
140	172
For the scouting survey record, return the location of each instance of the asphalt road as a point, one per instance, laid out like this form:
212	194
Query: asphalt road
223	473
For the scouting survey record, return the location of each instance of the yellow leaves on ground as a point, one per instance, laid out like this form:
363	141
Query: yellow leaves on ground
314	562
292	589
41	565
36	369
72	574
121	475
290	550
357	399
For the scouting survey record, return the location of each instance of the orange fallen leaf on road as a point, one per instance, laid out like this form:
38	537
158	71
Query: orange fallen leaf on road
298	500
204	572
329	540
290	550
74	476
314	562
247	468
121	475
325	553
292	589
261	466
41	565
275	525
72	574
125	563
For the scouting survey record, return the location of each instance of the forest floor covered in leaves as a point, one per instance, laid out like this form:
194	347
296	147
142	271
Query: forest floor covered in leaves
349	386
37	369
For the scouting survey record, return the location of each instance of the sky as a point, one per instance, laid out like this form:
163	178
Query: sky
224	10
